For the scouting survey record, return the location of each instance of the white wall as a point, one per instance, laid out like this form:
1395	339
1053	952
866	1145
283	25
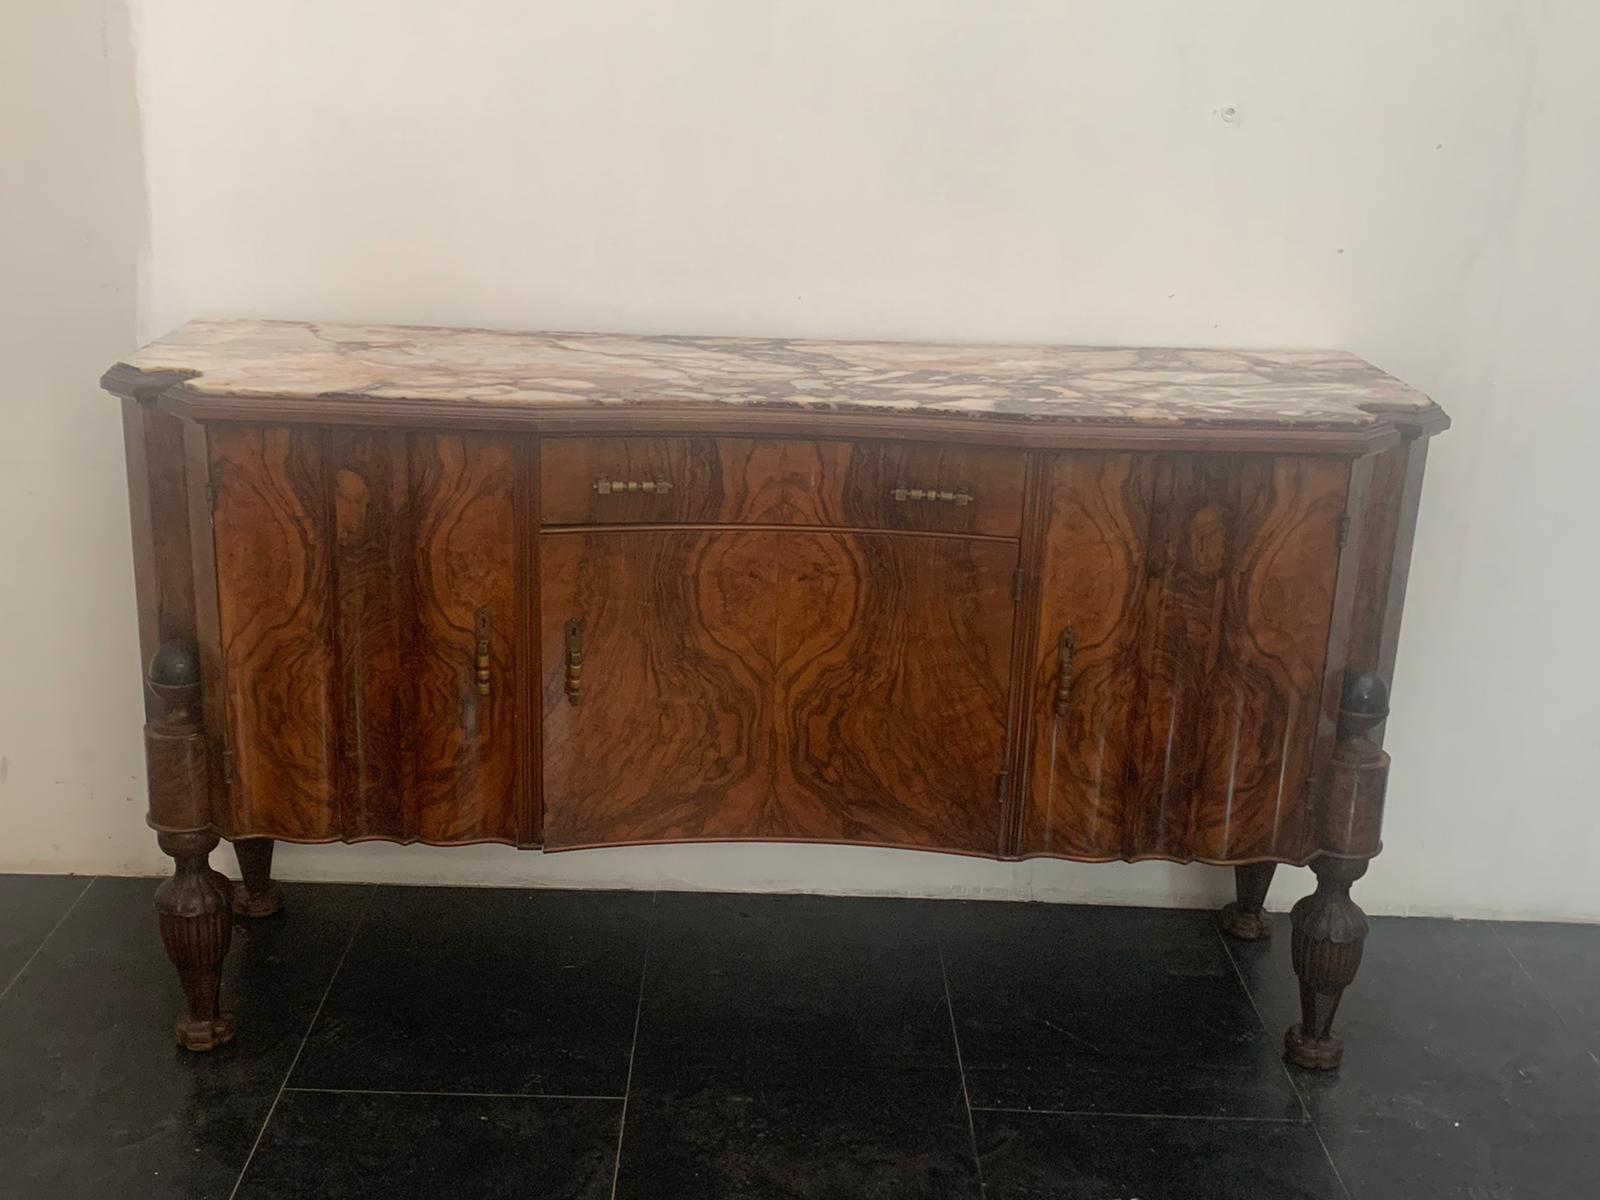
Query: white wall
1417	183
72	220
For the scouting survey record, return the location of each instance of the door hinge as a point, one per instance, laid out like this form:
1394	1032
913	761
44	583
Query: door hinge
1000	787
1344	530
227	767
1017	580
211	496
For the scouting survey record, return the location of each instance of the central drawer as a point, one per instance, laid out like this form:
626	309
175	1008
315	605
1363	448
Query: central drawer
733	481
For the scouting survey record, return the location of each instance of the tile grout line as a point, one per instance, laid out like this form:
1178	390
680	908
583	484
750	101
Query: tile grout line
304	1038
1294	1085
633	1049
325	1091
961	1067
37	950
1528	975
1133	1116
1338	1177
1494	928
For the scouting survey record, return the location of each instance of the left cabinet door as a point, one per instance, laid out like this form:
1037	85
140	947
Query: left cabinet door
361	576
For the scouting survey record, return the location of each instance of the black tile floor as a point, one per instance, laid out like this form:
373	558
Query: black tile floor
408	1042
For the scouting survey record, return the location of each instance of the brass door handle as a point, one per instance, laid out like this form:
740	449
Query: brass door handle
1064	653
607	487
481	662
573	636
959	498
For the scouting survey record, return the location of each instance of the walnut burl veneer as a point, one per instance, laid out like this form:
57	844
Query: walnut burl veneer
580	590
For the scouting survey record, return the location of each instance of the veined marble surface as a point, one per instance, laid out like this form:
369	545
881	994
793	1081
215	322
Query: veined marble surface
1295	389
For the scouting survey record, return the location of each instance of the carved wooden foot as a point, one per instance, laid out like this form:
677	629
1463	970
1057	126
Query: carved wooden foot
1244	918
1329	929
195	906
1329	932
196	915
257	895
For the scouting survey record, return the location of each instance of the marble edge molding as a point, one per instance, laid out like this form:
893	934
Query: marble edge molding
682	421
1345	423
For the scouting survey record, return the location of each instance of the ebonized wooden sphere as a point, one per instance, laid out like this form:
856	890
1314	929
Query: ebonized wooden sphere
1365	694
175	664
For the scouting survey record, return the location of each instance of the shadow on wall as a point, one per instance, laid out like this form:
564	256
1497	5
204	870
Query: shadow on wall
767	867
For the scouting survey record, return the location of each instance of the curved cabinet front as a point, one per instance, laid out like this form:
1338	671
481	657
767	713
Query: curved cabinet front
1185	608
408	653
362	580
775	684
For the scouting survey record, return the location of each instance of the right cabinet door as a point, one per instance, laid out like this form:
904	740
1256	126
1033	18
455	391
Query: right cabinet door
774	685
1184	615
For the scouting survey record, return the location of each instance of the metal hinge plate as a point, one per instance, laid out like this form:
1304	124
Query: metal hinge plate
1018	581
1344	530
1000	787
227	766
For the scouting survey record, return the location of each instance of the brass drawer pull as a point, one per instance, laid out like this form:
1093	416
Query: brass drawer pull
482	662
1064	652
607	487
958	498
574	643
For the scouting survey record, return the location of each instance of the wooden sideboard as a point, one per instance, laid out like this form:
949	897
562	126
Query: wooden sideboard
560	591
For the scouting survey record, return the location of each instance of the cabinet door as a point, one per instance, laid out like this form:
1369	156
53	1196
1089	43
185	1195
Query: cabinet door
357	573
774	685
1180	718
658	655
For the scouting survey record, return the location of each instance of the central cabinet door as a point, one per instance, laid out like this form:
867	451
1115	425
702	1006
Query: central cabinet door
786	685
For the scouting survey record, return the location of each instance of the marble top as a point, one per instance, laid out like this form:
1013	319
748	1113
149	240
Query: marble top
292	360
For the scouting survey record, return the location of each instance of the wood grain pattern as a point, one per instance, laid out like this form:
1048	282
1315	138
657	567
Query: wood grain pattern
351	569
1092	577
762	685
1200	589
782	482
159	511
1388	524
1020	712
1260	710
851	484
208	620
528	717
276	623
1336	653
713	480
375	622
674	734
463	744
893	670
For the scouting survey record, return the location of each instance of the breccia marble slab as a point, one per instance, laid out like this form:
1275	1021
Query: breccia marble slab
1271	389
